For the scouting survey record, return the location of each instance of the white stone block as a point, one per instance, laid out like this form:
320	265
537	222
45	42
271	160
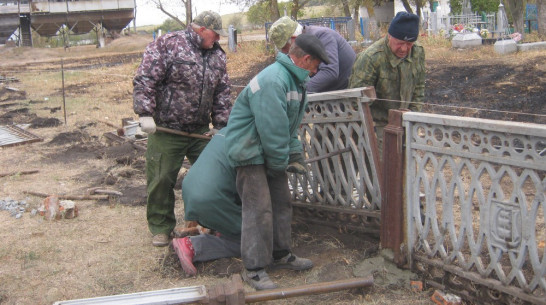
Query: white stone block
507	46
532	46
466	40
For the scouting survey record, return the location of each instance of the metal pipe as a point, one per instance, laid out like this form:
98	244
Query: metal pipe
182	133
316	288
328	155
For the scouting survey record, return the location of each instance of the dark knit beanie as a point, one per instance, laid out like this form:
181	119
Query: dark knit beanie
405	26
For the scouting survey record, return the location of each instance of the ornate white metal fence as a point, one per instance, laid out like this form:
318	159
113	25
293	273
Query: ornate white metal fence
476	206
343	169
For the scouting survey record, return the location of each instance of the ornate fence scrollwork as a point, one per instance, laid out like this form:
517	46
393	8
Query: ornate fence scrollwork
342	185
476	206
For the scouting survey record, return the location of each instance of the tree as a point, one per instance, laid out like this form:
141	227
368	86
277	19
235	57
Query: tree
477	6
170	25
237	22
541	17
258	14
297	6
517	10
274	9
165	7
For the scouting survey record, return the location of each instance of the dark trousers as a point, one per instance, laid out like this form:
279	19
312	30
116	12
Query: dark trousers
267	215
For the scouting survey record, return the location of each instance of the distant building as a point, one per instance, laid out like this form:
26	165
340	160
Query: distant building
47	17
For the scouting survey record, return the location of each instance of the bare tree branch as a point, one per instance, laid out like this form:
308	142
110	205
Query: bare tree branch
161	6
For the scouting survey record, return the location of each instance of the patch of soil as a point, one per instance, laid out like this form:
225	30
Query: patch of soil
11	94
133	195
492	89
45	122
17	116
238	83
73	137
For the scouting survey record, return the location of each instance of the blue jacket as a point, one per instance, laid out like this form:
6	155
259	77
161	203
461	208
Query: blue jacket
263	124
335	75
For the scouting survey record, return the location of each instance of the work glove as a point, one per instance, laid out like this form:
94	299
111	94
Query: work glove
147	124
211	132
296	165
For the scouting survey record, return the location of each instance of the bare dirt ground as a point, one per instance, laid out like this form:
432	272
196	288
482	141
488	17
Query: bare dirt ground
106	249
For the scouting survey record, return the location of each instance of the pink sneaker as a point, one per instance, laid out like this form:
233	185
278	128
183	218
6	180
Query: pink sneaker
185	252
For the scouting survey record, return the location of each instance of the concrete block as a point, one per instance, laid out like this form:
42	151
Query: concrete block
507	46
532	46
466	40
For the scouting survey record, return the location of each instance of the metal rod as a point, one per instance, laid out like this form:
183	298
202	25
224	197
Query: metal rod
182	133
64	102
283	293
69	197
328	155
27	172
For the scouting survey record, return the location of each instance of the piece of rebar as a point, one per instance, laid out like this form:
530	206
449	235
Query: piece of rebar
70	197
328	155
182	133
283	293
19	173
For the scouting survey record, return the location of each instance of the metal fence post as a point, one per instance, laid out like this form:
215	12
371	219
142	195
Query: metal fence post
392	203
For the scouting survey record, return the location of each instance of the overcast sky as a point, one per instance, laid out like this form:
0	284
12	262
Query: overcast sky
148	14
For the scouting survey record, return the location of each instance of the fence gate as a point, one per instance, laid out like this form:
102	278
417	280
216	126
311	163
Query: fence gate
475	207
342	184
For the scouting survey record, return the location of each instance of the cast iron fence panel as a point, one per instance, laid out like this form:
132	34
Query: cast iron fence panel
479	225
345	178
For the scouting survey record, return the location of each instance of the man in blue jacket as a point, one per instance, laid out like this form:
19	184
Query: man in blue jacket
239	186
332	76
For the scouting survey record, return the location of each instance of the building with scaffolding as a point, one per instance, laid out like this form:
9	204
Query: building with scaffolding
49	17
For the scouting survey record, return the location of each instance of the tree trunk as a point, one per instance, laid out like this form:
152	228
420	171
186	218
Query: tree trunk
274	8
346	9
189	17
418	5
541	17
517	9
295	9
407	6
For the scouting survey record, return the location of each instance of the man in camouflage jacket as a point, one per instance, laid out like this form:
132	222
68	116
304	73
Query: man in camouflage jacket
181	84
395	66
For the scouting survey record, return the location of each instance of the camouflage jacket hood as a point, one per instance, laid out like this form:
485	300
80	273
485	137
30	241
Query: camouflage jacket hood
183	86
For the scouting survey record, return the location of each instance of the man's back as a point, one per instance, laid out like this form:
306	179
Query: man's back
334	76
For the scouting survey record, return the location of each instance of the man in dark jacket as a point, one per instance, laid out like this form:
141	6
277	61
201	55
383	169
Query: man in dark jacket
181	84
239	186
332	76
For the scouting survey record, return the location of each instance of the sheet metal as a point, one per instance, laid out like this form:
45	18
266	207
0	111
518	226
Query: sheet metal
11	135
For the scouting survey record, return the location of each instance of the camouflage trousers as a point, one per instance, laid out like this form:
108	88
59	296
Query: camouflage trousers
164	156
266	215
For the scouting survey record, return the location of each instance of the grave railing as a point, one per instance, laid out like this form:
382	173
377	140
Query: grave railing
342	186
475	197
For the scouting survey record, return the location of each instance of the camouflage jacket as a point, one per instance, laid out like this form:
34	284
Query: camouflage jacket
393	78
181	85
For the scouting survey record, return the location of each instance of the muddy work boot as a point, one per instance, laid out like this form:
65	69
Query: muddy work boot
160	240
259	279
292	262
185	252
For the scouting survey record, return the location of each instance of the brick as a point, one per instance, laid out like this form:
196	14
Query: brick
442	298
416	286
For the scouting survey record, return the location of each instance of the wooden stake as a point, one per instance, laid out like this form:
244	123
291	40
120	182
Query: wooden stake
69	197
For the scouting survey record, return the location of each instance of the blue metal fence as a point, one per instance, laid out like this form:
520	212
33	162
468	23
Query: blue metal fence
338	24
